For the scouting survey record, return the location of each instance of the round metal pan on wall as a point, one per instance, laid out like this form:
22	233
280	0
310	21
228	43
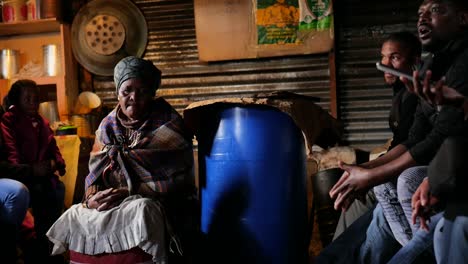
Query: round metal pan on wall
103	32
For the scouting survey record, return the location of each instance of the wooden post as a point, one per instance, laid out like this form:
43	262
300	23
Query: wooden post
67	87
87	82
4	88
334	93
333	89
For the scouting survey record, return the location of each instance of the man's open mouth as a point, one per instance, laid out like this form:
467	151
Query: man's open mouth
424	31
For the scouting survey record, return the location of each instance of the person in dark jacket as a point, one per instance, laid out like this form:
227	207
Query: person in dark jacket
446	184
401	51
446	187
443	31
29	141
14	202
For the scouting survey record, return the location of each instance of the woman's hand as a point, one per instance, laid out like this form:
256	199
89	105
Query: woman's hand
107	199
421	202
353	183
59	169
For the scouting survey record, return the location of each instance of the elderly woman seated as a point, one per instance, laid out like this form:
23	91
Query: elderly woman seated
141	169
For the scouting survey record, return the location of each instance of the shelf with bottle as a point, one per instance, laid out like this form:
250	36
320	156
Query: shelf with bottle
42	80
29	38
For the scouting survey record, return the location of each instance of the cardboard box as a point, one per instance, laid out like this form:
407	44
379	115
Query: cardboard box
229	29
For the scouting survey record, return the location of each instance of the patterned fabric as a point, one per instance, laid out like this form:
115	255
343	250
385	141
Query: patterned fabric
396	202
158	154
133	67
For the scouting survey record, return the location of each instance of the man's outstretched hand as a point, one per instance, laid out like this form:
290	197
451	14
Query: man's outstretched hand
434	93
353	184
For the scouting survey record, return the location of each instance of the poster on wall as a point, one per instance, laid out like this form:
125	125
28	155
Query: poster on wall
244	29
315	15
277	21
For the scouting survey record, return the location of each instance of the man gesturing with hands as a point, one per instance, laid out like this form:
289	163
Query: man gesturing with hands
442	28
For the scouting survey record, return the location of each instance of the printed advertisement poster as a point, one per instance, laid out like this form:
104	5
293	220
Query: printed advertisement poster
286	21
277	21
315	15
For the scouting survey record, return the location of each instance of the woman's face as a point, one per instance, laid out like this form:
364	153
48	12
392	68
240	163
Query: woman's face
29	101
134	98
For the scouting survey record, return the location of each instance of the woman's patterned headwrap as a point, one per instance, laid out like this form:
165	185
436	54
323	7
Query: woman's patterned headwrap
133	67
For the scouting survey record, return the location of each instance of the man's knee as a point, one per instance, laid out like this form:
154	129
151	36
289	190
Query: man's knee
385	192
22	192
410	179
460	229
17	191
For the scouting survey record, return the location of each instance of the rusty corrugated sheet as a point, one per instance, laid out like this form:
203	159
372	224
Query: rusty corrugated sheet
364	100
361	25
173	48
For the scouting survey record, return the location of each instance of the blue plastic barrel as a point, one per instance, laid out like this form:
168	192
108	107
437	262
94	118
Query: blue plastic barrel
253	187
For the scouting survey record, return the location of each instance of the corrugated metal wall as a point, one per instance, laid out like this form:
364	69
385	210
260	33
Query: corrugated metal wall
364	101
173	48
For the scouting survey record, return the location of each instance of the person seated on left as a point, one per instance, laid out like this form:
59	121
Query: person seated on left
140	175
28	140
14	201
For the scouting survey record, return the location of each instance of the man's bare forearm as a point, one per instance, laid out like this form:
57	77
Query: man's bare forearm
392	169
393	154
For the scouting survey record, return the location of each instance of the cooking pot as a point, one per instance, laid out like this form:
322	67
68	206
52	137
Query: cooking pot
327	216
9	63
103	32
52	59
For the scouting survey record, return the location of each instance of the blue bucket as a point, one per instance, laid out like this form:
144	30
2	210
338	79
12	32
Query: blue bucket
253	187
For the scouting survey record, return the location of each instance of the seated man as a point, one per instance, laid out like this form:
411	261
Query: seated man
446	184
442	30
401	51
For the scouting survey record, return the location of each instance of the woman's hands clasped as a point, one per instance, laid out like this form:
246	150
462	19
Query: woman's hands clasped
107	199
